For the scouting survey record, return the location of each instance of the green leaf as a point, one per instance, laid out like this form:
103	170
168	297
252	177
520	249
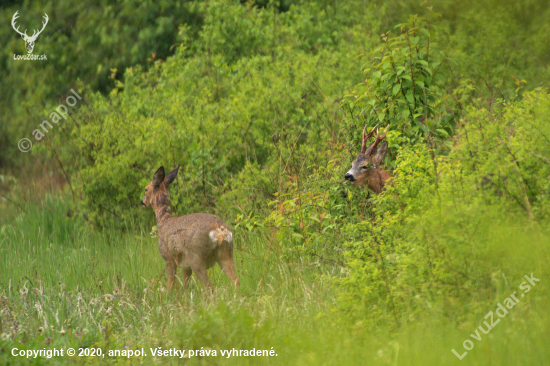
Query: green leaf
425	32
396	88
410	97
443	132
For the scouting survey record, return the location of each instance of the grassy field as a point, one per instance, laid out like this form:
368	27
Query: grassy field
262	105
64	286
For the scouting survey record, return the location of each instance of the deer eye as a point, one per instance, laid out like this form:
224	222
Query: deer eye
364	167
145	189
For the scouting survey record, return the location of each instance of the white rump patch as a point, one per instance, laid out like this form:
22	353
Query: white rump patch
212	236
221	234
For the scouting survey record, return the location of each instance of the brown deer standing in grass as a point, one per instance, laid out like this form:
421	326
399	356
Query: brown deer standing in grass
193	242
365	169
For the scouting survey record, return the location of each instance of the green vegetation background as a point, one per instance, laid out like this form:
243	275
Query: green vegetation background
263	103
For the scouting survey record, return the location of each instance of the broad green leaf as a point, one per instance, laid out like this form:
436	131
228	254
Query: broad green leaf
443	132
396	88
410	97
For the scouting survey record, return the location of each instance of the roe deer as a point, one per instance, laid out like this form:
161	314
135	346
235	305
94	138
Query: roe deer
365	169
193	242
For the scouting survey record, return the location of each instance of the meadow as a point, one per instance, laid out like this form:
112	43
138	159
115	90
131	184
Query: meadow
64	286
262	104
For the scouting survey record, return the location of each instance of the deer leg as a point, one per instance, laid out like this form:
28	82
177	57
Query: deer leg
225	260
170	273
187	272
200	271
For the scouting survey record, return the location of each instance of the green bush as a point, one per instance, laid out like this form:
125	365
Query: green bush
250	106
405	84
82	40
441	241
220	103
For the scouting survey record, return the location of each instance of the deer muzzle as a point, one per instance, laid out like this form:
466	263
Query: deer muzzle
349	177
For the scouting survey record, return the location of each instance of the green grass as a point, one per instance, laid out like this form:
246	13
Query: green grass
64	285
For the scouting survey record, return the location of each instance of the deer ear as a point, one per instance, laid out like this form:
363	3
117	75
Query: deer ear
158	178
379	153
171	176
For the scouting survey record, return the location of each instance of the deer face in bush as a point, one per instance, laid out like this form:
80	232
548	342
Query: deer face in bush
368	160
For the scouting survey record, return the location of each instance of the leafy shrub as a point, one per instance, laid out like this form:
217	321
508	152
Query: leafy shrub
236	102
83	40
404	84
438	245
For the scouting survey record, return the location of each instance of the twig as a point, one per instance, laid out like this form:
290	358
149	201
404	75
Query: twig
15	203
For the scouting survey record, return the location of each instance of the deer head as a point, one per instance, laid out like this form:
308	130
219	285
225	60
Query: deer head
156	191
365	169
29	40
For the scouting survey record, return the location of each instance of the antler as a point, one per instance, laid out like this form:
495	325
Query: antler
377	141
365	138
35	34
13	24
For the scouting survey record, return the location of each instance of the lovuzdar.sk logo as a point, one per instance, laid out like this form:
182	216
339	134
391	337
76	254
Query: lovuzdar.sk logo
29	40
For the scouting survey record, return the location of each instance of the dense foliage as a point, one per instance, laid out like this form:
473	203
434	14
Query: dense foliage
82	40
433	230
262	104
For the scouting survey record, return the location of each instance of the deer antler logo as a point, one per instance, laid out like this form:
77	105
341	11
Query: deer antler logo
29	41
